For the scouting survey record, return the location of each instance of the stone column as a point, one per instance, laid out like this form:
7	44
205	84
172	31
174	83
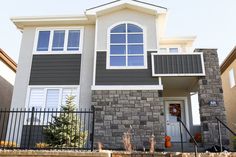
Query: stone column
117	110
210	89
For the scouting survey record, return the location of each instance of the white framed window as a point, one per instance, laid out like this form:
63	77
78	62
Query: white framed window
126	47
231	78
50	97
169	50
58	40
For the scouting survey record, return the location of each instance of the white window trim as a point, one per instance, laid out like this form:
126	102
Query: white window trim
61	87
144	48
51	29
194	74
232	82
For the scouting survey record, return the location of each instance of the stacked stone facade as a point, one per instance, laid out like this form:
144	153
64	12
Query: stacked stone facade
210	89
117	110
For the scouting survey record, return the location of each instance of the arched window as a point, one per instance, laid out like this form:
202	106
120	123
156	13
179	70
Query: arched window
126	46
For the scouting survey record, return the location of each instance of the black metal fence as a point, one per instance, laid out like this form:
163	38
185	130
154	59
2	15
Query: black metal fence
46	129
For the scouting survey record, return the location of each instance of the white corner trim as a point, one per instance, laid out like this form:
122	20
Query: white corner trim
127	87
95	53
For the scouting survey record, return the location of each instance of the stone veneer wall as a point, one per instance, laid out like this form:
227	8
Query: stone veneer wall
116	110
210	88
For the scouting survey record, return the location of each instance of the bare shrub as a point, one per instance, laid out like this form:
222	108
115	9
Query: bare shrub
127	141
100	146
152	142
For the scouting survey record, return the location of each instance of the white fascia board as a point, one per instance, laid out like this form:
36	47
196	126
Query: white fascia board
95	10
21	22
48	18
187	39
127	87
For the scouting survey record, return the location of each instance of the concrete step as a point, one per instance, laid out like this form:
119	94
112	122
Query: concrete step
187	147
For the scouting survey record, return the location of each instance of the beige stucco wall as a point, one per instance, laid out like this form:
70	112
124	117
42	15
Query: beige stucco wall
148	22
230	96
23	68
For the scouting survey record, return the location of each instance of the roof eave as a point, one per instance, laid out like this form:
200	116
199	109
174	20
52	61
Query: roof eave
228	60
22	22
8	60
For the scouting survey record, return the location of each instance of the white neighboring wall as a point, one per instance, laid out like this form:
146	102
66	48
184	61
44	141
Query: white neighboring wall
7	73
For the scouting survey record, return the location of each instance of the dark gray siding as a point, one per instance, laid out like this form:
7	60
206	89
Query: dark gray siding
55	69
125	76
178	64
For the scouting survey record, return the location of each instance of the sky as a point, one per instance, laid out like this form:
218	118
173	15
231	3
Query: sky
212	21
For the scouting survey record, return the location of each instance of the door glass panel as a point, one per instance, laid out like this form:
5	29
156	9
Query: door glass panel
174	112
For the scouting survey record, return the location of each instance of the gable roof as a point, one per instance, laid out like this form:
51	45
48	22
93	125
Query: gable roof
228	60
89	17
119	4
7	60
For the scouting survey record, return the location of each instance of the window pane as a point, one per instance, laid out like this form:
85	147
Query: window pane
73	40
119	29
36	98
134	28
135	49
118	38
231	78
52	99
117	61
174	50
117	49
163	50
135	38
135	61
43	40
58	40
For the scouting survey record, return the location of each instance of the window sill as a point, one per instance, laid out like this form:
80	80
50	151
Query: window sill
126	68
56	53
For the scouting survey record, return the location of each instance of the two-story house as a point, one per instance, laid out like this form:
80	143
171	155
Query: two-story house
7	79
228	76
115	56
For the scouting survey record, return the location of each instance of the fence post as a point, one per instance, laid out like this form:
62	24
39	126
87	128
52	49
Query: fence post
31	125
92	134
181	137
220	137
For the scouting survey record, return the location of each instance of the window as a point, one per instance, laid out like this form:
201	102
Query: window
169	50
232	78
59	41
50	98
195	109
173	50
126	47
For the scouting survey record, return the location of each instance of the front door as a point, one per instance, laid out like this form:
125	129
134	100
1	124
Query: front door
174	109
